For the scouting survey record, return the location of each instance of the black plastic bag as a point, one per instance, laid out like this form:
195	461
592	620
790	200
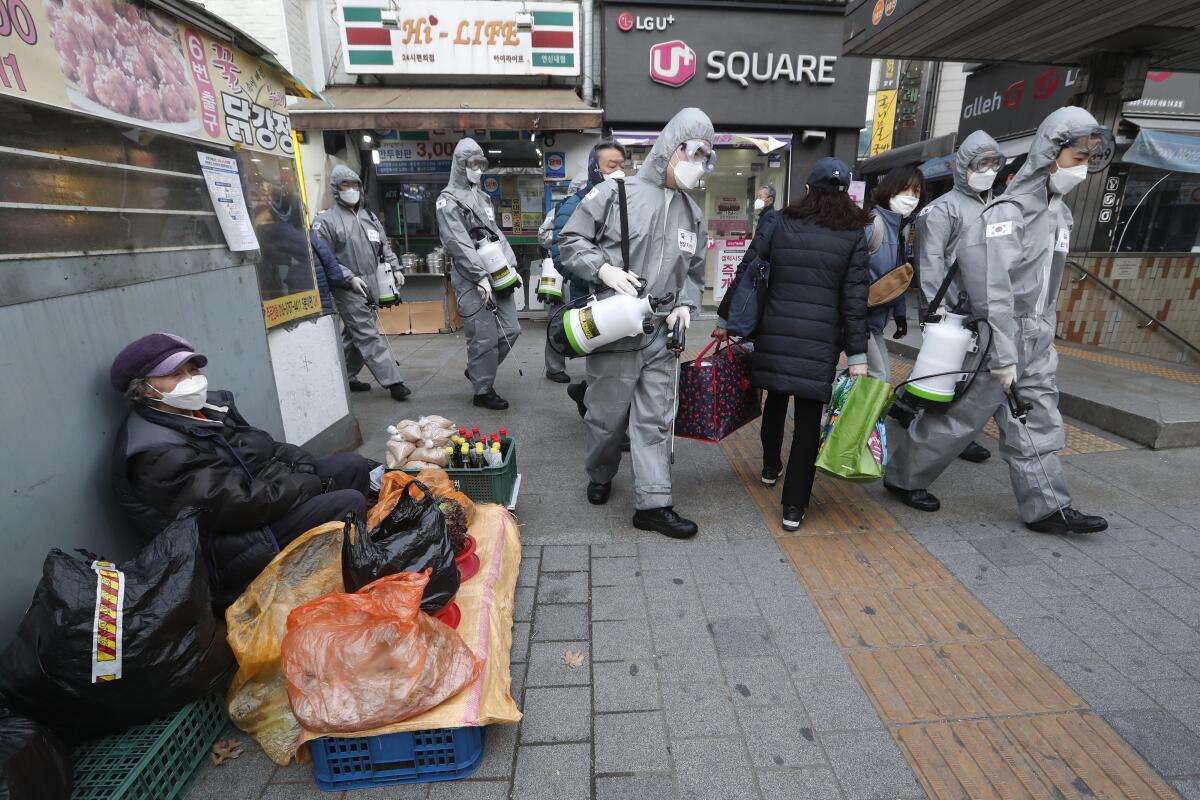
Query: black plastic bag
34	764
106	647
412	538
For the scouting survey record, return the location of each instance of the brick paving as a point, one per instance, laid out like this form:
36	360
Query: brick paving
707	670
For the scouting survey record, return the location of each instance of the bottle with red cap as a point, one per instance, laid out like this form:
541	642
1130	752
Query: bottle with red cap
504	431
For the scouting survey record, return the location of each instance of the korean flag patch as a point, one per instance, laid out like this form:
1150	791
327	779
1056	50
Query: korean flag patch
441	203
999	229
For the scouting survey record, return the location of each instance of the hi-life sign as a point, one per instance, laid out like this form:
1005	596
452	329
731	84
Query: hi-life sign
459	37
770	62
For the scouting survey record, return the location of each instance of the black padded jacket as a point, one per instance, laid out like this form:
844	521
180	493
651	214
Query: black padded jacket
816	306
238	476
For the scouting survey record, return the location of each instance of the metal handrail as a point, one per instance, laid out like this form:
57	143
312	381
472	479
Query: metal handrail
1152	321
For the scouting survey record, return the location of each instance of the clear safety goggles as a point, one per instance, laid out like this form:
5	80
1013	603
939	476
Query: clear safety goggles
1096	144
700	152
477	162
988	161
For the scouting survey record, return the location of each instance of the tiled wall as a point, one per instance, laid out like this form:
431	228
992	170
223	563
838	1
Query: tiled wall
1165	286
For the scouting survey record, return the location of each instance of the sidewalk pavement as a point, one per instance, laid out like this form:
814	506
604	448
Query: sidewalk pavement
709	669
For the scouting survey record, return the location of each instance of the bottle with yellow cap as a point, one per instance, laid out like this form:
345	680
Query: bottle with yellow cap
450	456
480	460
464	455
494	459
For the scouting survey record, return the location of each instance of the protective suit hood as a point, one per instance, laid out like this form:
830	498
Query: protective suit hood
581	180
1043	151
972	147
466	149
689	123
343	173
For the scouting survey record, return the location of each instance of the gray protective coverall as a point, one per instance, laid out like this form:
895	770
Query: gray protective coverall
555	361
667	247
1011	260
359	243
460	208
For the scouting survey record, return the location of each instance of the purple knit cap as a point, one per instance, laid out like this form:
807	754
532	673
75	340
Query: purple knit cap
152	356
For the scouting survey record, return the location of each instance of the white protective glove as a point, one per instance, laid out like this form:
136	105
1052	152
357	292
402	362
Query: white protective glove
1006	375
399	276
679	314
618	280
485	286
360	286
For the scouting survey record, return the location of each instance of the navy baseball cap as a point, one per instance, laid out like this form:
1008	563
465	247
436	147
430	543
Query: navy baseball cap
829	174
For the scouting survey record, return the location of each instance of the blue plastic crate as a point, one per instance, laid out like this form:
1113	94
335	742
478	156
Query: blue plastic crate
443	754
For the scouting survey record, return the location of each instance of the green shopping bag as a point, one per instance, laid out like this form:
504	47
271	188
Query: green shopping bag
853	436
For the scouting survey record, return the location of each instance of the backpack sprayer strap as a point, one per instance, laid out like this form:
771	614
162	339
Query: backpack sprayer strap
623	207
941	292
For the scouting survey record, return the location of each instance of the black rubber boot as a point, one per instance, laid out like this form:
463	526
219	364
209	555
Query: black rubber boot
598	493
915	498
666	522
975	453
491	400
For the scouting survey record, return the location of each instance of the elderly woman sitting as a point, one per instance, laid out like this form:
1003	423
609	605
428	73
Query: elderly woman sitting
185	446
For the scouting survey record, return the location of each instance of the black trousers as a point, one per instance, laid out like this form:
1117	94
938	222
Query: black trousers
351	475
798	481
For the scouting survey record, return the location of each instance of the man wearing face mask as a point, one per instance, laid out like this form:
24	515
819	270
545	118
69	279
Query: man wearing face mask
939	229
182	446
360	243
1011	264
633	379
465	216
764	204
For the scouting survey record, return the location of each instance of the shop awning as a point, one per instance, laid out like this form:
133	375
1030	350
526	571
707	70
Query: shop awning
764	142
1174	152
1012	148
1181	124
938	167
915	153
1168	31
445	108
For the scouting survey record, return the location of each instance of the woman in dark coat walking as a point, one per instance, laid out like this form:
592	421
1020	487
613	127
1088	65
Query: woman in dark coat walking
816	308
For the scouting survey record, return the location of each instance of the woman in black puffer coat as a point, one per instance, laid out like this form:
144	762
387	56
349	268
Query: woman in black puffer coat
816	308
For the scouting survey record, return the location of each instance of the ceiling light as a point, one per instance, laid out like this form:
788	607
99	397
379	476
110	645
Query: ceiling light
366	138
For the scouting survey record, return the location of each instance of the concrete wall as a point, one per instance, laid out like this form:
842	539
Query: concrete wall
61	414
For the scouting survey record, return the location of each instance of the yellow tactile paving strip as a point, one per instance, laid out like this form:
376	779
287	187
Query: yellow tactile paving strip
1079	441
975	713
1130	363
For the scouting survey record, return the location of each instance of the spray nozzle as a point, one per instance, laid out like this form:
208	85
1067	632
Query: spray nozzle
1016	406
658	302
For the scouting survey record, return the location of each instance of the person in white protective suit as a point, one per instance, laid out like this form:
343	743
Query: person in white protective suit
634	378
360	243
490	320
1011	264
940	224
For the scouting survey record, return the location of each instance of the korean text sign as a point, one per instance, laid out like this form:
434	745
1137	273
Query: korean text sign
128	63
459	37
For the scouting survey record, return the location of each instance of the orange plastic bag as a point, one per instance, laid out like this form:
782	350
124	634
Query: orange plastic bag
359	661
394	483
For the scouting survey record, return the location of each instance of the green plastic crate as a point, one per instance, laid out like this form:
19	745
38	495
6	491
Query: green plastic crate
489	484
156	761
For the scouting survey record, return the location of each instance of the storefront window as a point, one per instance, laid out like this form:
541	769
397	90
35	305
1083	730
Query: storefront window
1160	213
727	198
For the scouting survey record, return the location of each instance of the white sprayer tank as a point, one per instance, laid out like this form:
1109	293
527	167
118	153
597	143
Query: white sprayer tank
386	280
503	276
605	321
944	349
550	284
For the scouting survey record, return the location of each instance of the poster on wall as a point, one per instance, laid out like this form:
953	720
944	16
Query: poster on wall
229	202
730	253
128	63
459	37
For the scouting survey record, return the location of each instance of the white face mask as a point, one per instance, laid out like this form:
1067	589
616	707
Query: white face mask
687	174
349	196
473	175
1067	178
190	393
759	204
615	175
982	181
903	204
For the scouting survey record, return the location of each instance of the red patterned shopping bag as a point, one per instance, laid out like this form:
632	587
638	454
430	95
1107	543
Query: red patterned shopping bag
715	395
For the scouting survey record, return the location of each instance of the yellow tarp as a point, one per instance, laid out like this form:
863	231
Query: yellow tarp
310	567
